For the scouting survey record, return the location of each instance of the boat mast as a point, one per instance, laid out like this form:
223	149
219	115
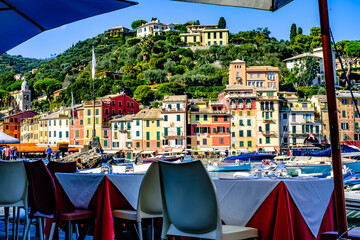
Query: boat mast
333	119
73	113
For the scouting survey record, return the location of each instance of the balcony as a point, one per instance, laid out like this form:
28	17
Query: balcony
173	110
220	112
268	133
173	135
241	95
268	120
268	97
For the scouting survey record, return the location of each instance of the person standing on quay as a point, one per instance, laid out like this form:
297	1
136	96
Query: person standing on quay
12	153
48	153
7	153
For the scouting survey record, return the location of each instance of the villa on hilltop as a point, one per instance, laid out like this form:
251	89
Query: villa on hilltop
154	28
205	35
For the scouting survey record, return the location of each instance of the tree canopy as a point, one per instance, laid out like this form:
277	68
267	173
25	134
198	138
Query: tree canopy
137	23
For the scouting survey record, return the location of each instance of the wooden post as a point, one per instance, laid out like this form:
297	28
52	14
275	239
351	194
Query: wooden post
333	119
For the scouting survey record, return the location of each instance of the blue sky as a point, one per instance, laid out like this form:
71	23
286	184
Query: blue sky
344	20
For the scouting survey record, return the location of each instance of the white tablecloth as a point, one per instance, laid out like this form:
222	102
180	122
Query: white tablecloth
239	198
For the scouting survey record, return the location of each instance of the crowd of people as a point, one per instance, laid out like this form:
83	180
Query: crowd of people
10	153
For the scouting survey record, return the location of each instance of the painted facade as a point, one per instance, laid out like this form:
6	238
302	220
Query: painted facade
260	77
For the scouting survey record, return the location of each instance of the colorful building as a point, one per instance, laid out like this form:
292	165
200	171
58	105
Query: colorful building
267	119
76	129
348	118
298	126
210	127
121	134
174	123
205	35
137	131
105	108
154	28
241	102
152	130
259	77
11	124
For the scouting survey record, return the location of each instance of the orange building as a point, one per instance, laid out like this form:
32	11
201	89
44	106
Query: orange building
265	77
209	127
11	124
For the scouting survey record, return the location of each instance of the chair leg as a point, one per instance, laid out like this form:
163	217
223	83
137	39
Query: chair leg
27	228
152	229
41	232
14	222
53	225
140	231
17	223
6	209
70	231
25	223
77	230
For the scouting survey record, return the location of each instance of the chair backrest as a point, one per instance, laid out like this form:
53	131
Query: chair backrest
42	187
64	167
13	183
189	198
150	194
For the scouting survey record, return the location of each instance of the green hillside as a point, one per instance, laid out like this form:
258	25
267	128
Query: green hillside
151	67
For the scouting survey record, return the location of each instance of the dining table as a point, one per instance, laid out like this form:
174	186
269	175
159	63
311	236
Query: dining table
280	208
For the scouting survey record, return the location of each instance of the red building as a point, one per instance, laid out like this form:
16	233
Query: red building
79	126
11	124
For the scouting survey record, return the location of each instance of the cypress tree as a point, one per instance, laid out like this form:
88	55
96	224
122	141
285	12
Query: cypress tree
292	33
299	32
222	23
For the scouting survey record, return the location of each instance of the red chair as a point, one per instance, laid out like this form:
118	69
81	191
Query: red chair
44	202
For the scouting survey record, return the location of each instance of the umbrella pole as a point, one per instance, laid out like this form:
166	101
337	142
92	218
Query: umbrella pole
333	119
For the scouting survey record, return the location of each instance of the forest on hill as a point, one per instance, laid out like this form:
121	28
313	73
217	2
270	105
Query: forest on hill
149	68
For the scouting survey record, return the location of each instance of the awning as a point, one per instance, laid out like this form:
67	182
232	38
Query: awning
206	149
178	150
147	152
269	149
137	151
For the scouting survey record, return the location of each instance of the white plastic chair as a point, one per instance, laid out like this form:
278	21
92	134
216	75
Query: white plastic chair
13	189
190	205
149	201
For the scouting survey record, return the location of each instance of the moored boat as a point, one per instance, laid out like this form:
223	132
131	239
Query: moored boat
223	167
252	157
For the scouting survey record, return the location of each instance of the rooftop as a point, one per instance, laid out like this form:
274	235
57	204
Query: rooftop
302	56
175	98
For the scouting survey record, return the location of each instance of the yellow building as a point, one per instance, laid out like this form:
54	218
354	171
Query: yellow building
205	35
152	130
43	131
215	37
89	120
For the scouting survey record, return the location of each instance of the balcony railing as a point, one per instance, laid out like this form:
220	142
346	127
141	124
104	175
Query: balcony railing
268	133
172	135
173	110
